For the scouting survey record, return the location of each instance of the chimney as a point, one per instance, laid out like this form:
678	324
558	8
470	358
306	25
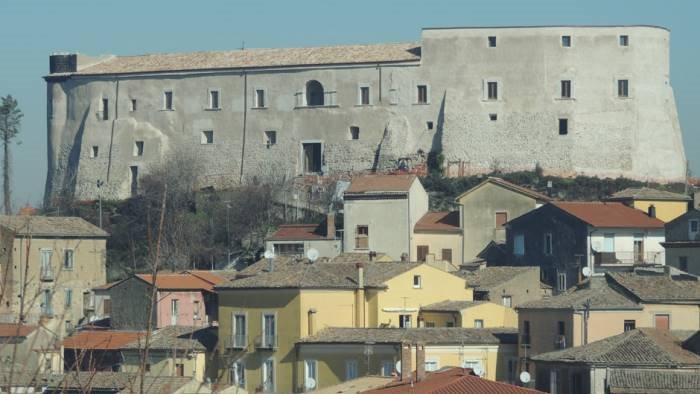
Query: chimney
406	367
360	296
360	274
420	361
311	322
330	226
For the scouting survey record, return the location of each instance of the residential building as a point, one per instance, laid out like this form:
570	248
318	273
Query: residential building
182	299
600	307
273	304
508	286
27	349
564	237
656	203
98	303
297	239
375	351
380	213
120	382
682	242
46	265
486	208
643	360
438	238
95	350
468	314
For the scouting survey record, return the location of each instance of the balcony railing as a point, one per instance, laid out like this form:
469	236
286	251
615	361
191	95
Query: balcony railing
46	274
237	341
628	258
525	340
266	341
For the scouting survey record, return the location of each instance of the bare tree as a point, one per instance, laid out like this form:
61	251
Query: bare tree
10	120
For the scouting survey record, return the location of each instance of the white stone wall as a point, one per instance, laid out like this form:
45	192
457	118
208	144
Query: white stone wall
638	137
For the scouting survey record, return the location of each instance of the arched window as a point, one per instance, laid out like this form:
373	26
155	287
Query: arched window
314	93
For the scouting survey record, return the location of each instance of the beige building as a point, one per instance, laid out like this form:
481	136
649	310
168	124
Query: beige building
49	266
380	213
438	238
485	209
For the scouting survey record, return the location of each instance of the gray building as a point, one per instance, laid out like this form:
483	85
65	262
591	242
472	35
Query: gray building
505	98
683	242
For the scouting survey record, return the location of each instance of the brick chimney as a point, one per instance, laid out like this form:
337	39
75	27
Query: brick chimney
406	367
330	226
420	361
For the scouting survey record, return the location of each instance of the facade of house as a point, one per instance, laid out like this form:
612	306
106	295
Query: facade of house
682	242
507	286
468	314
297	239
564	237
438	238
487	207
657	203
272	305
46	265
27	349
643	360
380	213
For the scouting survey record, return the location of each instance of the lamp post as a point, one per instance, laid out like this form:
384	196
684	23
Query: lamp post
99	197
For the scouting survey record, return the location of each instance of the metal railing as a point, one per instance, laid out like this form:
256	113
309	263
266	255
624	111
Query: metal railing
266	341
46	274
628	258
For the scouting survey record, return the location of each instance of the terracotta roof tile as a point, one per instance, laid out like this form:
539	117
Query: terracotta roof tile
647	193
101	339
439	221
51	226
609	215
178	282
293	232
654	381
16	330
380	183
213	277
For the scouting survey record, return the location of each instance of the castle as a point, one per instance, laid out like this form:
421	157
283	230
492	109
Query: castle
570	99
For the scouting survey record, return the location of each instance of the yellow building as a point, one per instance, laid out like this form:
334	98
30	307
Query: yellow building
437	237
658	203
264	312
476	314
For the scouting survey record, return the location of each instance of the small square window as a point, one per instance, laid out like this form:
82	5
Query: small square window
478	323
207	137
213	99
492	90
563	126
566	41
622	88
493	117
138	148
168	100
422	94
429	125
94	151
417	282
624	40
259	98
492	41
132	107
364	95
354	133
270	138
630	325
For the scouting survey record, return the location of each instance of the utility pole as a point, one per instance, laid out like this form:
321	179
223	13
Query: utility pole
99	197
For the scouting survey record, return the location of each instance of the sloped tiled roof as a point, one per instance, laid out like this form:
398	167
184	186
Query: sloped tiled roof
294	232
647	193
176	337
183	281
596	291
451	381
510	186
650	381
376	184
51	226
121	382
609	215
429	336
451	306
101	339
643	346
487	277
658	286
256	58
213	277
439	222
8	330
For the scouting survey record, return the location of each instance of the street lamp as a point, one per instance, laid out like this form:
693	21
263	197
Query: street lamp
99	196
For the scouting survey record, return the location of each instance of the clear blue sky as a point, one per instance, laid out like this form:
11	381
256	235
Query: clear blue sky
31	29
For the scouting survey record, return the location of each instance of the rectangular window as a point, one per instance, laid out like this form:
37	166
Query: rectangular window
213	99
519	245
449	324
168	100
609	242
430	324
364	95
693	229
46	304
94	152
240	339
68	259
563	126
492	90
207	137
105	109
405	321
238	374
417	282
493	117
289	249
423	251
68	294
268	376
566	41
624	40
501	219
354	133
422	94
132	106
561	328
622	88
46	268
662	322
561	281
180	370
387	368
269	331
362	237
630	325
270	138
507	301
310	374
548	243
259	98
134	179
566	89
138	148
429	125
478	323
492	41
350	369
447	255
195	310
553	382
174	311
683	263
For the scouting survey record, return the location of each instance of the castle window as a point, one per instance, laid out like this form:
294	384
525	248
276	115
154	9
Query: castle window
429	125
132	107
207	137
314	93
422	91
105	108
138	148
493	117
492	41
566	89
134	180
94	151
259	98
624	40
492	90
622	88
354	133
213	99
270	138
566	41
168	100
563	126
364	95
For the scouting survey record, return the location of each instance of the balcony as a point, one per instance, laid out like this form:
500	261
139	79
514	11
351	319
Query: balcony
628	258
46	275
266	342
237	341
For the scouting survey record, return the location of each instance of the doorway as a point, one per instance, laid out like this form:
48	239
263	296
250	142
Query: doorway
311	152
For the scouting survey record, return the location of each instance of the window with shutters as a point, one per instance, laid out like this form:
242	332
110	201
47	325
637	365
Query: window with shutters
447	255
362	237
501	219
68	259
423	251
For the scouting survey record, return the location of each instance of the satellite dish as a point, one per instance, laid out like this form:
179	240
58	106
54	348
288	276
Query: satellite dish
478	370
398	366
310	383
312	254
269	254
524	377
586	272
